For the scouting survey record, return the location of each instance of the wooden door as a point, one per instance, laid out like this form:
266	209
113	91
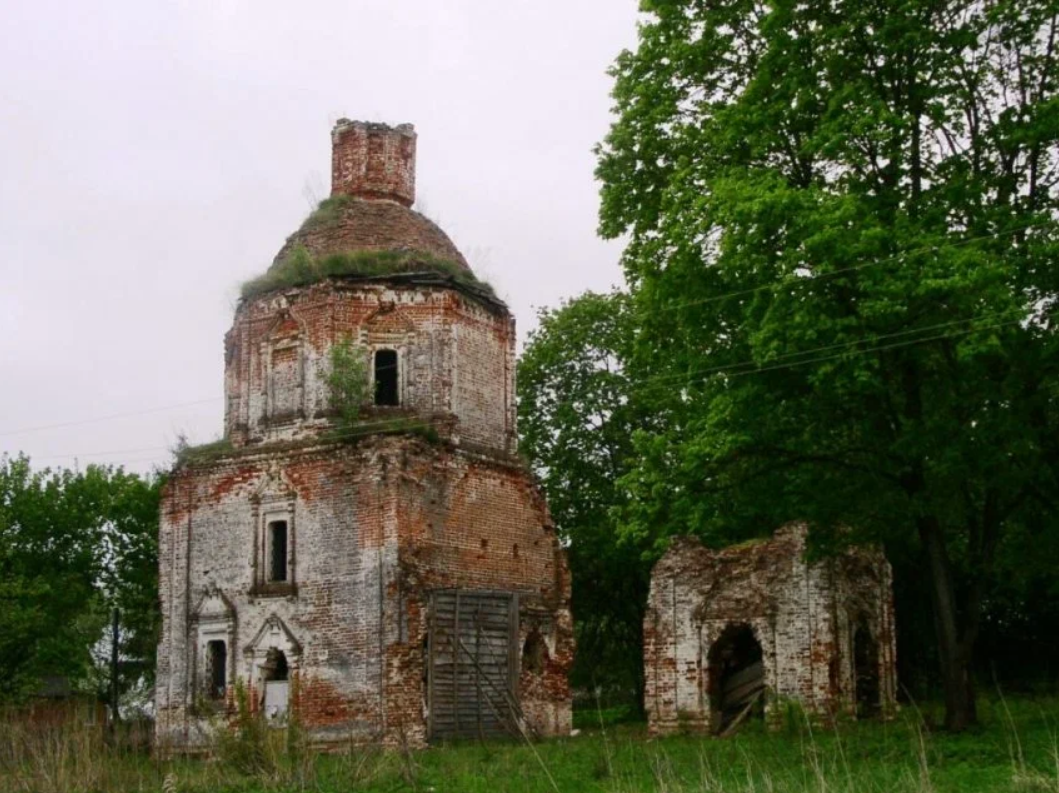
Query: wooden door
472	664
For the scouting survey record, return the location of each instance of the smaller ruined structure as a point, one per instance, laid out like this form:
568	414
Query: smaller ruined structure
737	632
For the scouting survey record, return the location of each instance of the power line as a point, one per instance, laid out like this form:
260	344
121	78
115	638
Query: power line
689	378
365	428
111	417
760	369
102	454
835	346
148	411
668	307
798	281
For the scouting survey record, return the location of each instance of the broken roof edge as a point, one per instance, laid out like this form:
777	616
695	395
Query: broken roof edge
302	269
796	530
424	278
218	454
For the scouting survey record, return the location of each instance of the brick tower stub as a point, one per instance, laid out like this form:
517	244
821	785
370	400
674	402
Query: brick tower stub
374	161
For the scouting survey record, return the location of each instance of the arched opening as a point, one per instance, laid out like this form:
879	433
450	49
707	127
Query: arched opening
736	677
275	673
277	546
217	668
534	653
866	671
387	393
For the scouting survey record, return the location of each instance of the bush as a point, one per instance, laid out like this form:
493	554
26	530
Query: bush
246	747
348	381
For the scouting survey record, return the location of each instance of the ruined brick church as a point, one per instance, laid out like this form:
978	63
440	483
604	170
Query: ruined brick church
750	629
398	581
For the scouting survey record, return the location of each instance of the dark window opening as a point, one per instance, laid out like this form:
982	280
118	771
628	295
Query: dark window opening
534	653
275	667
277	540
217	672
386	378
866	669
736	677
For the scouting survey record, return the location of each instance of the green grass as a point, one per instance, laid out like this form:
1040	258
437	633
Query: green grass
302	268
351	433
186	454
327	213
1016	755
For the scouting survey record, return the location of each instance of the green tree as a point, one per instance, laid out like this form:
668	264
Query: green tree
576	421
842	248
128	577
73	545
348	381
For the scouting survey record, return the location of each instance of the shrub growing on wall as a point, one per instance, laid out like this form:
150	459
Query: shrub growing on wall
348	382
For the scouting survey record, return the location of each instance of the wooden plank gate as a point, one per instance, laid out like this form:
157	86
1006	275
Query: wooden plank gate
472	665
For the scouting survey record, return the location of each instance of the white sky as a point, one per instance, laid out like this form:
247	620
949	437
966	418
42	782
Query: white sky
153	155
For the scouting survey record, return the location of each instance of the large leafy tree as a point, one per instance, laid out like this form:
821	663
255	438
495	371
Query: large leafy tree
576	421
842	250
73	546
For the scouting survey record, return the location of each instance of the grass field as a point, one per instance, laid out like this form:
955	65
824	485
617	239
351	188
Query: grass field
1015	749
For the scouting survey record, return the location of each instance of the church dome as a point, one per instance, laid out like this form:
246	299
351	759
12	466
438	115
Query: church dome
373	174
349	224
367	228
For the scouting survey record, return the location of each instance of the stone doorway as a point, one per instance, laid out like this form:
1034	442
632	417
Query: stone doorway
276	675
866	669
736	677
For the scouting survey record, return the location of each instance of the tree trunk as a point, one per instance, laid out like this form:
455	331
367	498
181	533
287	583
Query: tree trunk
954	656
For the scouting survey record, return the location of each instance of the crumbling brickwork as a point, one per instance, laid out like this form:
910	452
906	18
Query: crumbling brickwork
366	225
819	633
373	161
307	559
455	358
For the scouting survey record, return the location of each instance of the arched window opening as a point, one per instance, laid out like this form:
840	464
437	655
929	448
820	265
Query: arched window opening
736	677
276	674
275	667
277	543
386	391
866	669
534	653
216	669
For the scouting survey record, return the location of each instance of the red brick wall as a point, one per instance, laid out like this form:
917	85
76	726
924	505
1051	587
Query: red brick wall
373	161
374	528
456	359
801	614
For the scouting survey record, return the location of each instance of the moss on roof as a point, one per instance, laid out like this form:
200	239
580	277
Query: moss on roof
302	268
206	454
346	224
327	213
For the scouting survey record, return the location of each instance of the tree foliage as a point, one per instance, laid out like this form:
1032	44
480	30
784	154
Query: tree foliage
844	262
73	545
348	381
576	421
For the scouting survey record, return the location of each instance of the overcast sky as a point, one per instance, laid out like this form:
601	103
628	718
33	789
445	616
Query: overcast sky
153	155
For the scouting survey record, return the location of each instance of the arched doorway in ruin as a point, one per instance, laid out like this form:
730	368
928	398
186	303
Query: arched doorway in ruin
866	670
275	675
736	677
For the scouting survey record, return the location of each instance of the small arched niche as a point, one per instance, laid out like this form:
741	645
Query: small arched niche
534	653
284	367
